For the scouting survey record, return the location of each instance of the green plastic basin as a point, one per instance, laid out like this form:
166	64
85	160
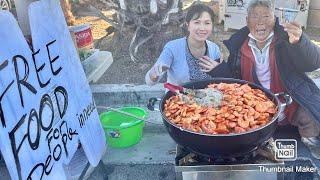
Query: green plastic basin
121	130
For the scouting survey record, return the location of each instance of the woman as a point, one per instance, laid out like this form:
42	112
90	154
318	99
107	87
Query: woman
189	58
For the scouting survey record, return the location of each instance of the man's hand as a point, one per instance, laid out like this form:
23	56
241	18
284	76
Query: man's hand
207	64
294	31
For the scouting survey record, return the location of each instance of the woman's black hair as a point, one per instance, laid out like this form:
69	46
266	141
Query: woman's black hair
196	10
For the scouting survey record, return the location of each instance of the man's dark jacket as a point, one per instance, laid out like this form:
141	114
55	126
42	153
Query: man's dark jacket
293	60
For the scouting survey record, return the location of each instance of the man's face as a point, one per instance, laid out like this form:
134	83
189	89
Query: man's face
261	22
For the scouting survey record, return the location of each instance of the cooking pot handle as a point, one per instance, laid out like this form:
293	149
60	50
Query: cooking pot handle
151	104
288	100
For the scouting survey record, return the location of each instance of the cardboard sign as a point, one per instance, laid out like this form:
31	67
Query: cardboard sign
46	105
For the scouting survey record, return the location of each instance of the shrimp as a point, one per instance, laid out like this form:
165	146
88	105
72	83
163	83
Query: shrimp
208	126
243	123
241	110
232	125
261	108
238	129
222	129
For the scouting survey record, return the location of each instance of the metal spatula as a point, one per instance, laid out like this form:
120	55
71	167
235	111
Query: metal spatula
204	97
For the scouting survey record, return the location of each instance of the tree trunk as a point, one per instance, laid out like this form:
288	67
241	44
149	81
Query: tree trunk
66	7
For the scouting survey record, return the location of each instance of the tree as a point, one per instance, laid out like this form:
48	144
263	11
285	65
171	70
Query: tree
144	18
66	7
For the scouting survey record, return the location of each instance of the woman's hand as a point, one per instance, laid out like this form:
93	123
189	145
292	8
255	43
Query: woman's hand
294	31
207	64
157	71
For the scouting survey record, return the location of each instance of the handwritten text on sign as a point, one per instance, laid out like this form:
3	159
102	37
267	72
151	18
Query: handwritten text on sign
43	92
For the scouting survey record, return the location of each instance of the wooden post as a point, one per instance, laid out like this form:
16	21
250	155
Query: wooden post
66	7
22	15
23	18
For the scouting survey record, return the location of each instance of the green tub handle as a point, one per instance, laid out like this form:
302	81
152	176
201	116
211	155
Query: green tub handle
114	134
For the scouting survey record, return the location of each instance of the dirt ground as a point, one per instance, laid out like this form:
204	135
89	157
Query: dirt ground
124	70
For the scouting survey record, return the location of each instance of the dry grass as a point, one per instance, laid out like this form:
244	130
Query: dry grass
98	25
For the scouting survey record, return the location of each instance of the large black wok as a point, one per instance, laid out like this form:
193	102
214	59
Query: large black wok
229	145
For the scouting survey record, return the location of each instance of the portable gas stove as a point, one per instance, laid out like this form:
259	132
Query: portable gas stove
191	166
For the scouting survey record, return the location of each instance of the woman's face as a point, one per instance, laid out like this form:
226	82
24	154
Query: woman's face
260	22
200	29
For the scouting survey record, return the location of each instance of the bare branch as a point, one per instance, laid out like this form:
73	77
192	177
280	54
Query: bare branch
132	54
96	12
142	42
110	4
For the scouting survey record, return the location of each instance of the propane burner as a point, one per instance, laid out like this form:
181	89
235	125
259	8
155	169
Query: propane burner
190	165
262	154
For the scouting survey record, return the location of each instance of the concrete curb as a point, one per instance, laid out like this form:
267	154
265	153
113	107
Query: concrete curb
125	94
119	95
130	94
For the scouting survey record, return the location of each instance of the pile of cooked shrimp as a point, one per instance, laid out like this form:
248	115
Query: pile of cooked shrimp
242	109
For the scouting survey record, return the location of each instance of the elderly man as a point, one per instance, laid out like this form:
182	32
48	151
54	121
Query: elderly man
277	57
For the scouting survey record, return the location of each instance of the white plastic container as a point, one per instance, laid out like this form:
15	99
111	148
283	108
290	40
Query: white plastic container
95	65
